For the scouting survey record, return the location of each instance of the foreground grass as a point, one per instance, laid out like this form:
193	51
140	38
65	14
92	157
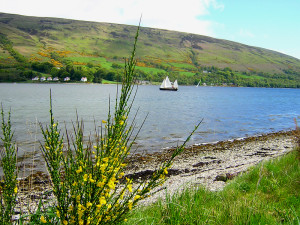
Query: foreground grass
267	194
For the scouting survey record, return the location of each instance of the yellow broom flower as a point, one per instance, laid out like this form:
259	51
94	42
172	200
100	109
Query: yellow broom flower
43	220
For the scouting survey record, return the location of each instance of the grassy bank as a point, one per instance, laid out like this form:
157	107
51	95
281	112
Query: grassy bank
267	194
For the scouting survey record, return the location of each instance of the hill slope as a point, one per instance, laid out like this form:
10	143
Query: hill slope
65	42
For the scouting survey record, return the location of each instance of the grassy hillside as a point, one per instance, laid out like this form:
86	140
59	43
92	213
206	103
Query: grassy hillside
25	40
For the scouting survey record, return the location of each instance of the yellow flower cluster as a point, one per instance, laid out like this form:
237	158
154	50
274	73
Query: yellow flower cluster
100	176
43	220
163	174
79	170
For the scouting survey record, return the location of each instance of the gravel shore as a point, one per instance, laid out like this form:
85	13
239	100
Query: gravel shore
209	165
212	165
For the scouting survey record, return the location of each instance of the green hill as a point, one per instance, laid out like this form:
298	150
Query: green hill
35	46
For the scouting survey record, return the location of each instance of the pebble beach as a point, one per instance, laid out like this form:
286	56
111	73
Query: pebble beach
208	165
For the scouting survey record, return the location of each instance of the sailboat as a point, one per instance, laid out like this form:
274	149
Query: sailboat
166	85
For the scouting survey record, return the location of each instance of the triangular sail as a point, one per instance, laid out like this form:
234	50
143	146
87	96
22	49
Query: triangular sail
175	84
168	83
163	84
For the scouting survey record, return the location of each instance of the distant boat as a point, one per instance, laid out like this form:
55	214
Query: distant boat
198	84
166	85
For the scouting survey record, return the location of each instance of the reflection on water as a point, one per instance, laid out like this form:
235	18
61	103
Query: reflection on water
226	112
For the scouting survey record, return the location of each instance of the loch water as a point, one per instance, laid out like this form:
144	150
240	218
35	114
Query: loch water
227	112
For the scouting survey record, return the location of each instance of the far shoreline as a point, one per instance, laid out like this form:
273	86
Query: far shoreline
154	84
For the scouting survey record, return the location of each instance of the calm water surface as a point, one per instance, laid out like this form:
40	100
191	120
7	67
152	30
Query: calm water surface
227	112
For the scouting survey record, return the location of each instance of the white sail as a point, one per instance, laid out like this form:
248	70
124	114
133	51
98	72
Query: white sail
163	84
168	83
175	84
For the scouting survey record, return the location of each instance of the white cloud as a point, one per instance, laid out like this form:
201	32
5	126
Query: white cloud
165	14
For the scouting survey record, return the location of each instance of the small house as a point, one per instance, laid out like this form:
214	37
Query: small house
83	79
67	79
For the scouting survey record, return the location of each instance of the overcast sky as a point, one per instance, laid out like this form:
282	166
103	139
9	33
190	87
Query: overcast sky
271	24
